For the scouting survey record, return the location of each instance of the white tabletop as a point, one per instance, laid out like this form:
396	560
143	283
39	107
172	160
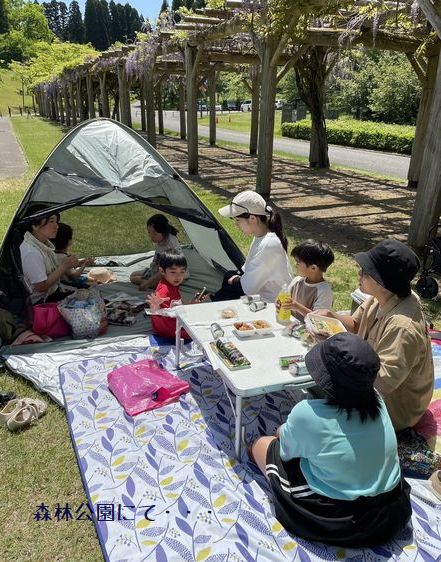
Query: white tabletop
263	352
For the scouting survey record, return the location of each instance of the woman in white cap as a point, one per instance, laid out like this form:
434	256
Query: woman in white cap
333	465
266	267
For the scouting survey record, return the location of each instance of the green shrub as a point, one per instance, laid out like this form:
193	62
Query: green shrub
359	134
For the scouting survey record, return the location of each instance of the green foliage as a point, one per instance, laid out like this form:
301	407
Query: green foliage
230	86
31	21
380	86
14	46
75	31
4	19
96	22
50	60
359	134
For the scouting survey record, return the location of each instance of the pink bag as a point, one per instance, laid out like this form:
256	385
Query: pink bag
144	386
48	321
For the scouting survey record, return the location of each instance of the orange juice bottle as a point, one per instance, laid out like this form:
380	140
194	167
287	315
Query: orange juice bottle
283	315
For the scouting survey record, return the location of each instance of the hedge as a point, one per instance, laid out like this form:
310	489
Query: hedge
359	134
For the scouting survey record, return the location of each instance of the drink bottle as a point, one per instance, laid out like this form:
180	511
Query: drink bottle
283	316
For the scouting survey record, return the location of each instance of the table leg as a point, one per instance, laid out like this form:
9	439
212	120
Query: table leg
178	342
238	429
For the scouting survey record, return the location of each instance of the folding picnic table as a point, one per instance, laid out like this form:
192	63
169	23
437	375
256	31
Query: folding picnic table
264	375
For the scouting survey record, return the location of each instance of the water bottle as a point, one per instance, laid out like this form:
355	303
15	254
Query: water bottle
283	315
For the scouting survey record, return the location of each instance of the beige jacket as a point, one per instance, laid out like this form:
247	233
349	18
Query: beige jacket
398	333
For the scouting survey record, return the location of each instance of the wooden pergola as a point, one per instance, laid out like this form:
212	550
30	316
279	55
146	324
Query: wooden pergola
194	52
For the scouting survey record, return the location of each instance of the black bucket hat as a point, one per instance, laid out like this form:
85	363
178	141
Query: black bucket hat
345	366
392	264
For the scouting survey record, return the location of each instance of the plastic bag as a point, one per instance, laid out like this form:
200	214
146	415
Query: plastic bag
85	311
144	386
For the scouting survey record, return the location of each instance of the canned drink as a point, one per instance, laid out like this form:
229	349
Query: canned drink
248	299
216	331
297	369
255	306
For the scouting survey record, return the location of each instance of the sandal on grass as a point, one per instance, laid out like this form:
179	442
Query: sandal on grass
11	408
25	416
22	412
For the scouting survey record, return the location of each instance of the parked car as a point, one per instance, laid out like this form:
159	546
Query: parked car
246	106
218	107
232	105
279	104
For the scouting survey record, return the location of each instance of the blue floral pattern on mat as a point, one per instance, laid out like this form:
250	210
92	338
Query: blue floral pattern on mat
208	506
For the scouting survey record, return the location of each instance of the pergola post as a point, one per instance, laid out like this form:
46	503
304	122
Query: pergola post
90	96
80	110
266	123
182	116
158	91
142	101
427	207
73	104
212	105
191	64
422	122
54	98
150	107
255	110
124	95
67	105
61	106
104	96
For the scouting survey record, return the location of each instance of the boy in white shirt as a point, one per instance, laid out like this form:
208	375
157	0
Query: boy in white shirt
309	290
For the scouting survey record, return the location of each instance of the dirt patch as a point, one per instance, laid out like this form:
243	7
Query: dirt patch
350	211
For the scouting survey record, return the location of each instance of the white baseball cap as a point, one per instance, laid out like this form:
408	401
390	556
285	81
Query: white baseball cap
246	202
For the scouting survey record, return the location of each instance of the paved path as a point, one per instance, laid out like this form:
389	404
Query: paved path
12	161
384	163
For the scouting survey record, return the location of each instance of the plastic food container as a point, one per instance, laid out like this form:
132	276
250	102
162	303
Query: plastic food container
243	329
254	328
323	325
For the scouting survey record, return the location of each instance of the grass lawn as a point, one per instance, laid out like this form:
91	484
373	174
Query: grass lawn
10	86
38	465
239	121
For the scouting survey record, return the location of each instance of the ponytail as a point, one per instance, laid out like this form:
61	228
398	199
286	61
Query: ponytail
160	224
274	223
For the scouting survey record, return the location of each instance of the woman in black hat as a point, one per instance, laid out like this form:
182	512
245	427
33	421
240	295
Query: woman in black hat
393	323
333	466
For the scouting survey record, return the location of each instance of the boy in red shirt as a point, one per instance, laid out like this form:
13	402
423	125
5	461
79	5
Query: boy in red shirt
173	268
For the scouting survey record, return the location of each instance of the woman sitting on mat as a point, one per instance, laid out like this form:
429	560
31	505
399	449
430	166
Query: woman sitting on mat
163	235
266	267
333	465
41	269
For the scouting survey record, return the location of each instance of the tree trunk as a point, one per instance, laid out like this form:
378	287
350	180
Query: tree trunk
310	73
427	208
422	122
124	97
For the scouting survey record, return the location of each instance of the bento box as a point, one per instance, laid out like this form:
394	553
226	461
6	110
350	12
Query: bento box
252	328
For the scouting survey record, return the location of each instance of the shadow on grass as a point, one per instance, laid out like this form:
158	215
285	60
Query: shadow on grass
350	211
